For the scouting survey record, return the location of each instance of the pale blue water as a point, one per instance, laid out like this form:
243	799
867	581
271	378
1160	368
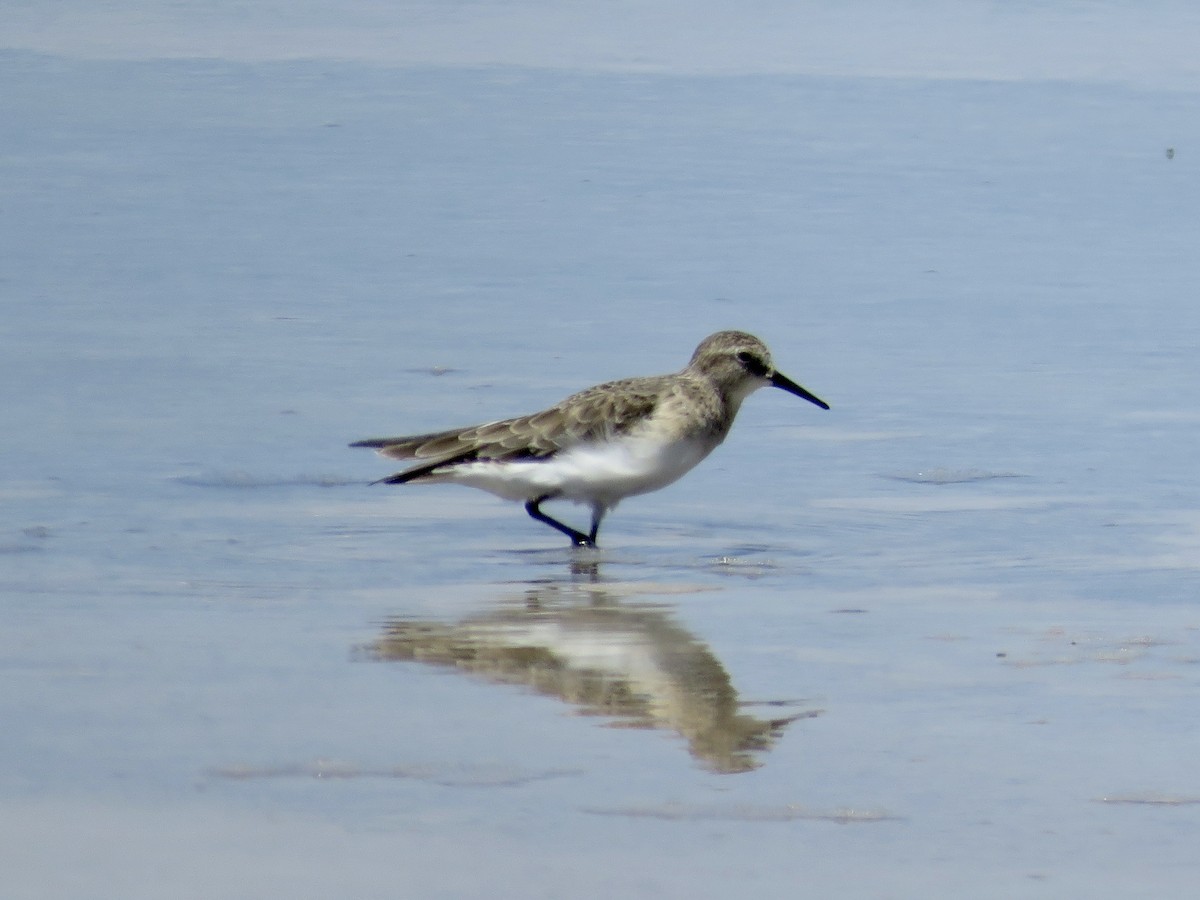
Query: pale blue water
939	641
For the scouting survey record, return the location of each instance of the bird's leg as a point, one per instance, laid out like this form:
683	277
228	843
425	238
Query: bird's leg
597	515
578	538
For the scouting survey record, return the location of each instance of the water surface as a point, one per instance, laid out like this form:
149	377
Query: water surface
939	641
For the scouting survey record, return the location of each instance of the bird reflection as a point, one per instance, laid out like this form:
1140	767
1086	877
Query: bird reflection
629	661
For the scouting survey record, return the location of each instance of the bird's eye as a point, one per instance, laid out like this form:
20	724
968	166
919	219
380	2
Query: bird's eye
753	364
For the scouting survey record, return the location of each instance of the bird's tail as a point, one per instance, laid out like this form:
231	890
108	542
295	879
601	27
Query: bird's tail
416	446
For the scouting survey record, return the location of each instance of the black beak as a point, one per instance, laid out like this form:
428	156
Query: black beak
783	382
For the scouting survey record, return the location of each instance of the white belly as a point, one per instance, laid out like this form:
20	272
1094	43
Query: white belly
591	473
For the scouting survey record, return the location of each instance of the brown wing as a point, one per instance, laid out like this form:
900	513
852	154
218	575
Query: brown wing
594	414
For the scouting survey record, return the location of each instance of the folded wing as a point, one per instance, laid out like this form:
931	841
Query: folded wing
592	415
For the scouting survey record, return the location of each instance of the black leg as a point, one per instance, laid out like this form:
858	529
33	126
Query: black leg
597	515
578	538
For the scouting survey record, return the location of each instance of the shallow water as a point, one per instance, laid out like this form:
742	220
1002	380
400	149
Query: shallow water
941	640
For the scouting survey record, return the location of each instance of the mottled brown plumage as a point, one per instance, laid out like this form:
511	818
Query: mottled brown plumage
599	413
604	443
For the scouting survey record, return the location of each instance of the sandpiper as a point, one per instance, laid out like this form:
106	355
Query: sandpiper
605	443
